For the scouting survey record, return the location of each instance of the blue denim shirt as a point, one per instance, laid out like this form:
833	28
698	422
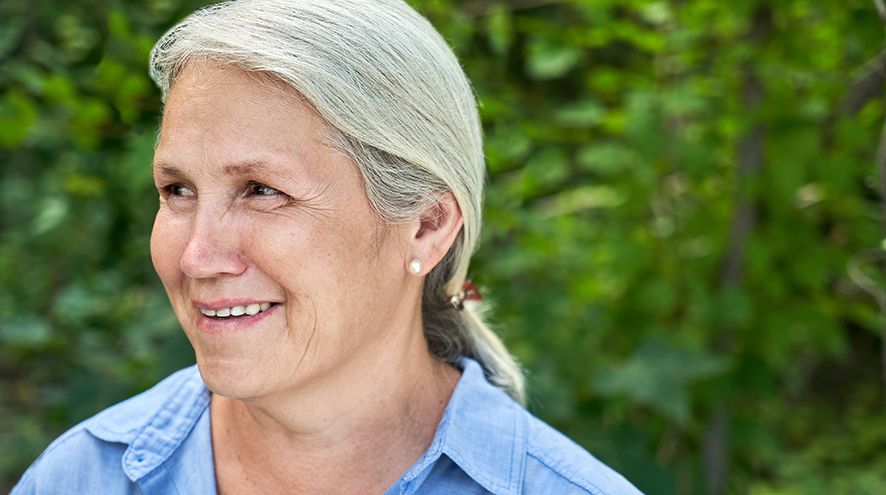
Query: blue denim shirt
159	442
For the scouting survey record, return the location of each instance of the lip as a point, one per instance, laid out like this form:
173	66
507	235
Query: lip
209	325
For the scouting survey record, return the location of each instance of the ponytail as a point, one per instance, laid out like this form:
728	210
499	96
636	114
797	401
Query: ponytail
500	367
452	333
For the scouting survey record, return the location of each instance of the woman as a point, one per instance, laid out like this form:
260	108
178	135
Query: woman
320	172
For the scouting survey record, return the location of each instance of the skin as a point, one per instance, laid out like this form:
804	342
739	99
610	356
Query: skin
332	389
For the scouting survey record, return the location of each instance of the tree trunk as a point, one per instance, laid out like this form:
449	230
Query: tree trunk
715	445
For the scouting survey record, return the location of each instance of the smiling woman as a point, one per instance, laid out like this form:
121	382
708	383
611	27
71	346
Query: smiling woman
250	216
320	174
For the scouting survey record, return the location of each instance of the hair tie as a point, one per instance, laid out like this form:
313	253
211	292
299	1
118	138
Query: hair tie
468	292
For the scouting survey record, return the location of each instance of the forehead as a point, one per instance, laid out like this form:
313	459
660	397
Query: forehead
224	90
223	114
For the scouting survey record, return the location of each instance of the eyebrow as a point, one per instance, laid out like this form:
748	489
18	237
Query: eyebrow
167	170
236	169
246	168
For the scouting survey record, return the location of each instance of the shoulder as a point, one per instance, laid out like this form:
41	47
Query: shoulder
76	462
89	458
505	449
556	464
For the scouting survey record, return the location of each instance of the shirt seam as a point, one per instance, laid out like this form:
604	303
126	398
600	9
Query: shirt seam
439	450
460	461
515	457
562	470
171	478
521	425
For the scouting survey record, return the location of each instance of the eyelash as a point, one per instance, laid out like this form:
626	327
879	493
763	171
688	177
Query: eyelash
174	189
253	187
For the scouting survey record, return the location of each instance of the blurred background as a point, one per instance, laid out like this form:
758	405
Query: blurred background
678	193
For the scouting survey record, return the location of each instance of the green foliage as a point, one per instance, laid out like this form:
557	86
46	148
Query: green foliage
659	377
614	132
83	320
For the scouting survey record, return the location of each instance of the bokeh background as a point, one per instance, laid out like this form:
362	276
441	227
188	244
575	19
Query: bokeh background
678	193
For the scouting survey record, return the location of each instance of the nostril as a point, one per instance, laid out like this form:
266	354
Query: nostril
210	254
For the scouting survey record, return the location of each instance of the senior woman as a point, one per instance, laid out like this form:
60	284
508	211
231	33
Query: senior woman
320	172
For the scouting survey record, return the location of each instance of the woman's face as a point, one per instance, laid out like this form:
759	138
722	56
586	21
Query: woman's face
278	269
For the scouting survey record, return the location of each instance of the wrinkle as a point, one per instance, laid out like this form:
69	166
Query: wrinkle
308	347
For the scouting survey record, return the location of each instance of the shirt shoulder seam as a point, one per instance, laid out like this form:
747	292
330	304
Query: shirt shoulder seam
568	475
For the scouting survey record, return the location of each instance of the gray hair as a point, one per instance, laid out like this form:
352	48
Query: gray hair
396	101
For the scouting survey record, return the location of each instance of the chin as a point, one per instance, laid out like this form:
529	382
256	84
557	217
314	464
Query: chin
230	379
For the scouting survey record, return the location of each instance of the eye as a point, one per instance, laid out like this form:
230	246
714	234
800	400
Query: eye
179	190
259	189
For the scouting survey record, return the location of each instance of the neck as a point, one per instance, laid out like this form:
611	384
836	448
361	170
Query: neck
356	432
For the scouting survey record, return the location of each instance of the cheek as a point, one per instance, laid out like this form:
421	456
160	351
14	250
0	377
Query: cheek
168	242
316	257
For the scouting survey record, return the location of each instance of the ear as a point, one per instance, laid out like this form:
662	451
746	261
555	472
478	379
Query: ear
431	235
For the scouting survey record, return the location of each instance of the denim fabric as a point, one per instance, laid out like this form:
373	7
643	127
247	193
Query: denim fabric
159	442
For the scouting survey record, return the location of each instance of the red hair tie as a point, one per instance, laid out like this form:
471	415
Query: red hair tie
468	292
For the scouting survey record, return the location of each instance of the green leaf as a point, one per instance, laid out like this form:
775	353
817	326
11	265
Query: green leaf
17	115
658	376
584	113
549	60
52	213
607	158
500	28
26	331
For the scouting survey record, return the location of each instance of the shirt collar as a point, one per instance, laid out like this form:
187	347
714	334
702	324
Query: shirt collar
153	433
482	431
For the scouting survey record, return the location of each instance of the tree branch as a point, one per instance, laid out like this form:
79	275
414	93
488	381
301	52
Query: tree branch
715	444
479	9
867	83
881	168
881	10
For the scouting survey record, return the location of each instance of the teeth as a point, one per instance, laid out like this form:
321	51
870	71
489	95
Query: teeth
251	309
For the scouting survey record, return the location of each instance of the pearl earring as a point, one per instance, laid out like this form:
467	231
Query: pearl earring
415	266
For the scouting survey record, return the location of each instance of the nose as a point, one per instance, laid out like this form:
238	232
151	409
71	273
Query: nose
213	247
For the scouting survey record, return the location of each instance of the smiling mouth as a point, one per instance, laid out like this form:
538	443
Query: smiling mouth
235	311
